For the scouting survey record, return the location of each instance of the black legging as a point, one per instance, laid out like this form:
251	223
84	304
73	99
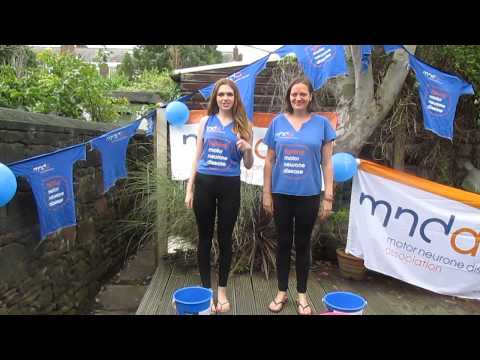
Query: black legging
212	192
294	218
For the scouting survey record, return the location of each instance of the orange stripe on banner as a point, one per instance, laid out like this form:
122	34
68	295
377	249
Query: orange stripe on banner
261	119
448	192
195	116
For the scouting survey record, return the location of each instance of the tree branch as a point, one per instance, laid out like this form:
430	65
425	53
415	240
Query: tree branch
366	113
363	83
392	83
343	87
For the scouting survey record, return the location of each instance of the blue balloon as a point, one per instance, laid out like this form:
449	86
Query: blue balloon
344	166
8	185
177	113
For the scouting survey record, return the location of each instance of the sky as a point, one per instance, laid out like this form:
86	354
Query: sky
249	54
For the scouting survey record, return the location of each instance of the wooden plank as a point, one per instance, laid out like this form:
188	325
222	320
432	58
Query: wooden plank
315	293
244	298
289	307
414	300
192	278
176	281
387	295
263	293
335	282
396	299
204	79
251	295
161	156
156	288
379	297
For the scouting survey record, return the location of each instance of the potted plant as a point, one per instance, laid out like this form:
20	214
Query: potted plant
351	267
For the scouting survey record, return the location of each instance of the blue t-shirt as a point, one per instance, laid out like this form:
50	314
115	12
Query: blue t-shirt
391	48
220	155
245	80
50	177
365	53
297	169
439	93
151	120
319	62
113	150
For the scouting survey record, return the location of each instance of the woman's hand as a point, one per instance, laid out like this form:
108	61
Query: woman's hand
242	144
267	202
326	209
189	199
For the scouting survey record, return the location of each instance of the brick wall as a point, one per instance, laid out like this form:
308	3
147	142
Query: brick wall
63	273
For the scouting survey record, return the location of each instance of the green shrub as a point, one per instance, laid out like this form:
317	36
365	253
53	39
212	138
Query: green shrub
157	81
337	225
254	239
60	84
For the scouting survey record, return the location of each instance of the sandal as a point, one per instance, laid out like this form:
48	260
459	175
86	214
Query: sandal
222	305
303	309
278	303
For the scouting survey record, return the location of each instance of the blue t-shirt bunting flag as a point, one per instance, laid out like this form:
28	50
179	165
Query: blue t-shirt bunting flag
439	93
298	154
365	52
391	48
319	62
113	150
151	121
220	155
50	177
184	98
245	79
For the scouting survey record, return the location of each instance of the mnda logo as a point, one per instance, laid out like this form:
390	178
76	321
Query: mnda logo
447	226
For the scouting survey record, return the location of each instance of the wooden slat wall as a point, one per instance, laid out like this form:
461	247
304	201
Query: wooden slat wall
264	88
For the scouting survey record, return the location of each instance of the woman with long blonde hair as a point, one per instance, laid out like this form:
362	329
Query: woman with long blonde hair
224	138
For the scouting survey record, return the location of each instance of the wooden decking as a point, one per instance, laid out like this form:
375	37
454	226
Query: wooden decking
250	295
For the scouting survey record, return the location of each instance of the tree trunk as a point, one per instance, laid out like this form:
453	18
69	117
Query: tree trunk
365	109
399	141
361	109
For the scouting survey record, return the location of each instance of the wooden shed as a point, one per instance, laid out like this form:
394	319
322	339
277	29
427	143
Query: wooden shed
267	97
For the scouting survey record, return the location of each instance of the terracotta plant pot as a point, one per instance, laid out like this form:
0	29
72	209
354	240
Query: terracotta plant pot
350	266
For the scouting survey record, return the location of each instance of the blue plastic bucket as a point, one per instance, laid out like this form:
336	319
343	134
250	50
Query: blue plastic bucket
193	300
345	302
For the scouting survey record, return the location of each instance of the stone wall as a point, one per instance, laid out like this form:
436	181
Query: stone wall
61	274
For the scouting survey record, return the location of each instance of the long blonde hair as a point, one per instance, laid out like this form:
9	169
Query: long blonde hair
241	124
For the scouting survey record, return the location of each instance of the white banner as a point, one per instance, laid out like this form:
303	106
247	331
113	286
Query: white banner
183	141
416	230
